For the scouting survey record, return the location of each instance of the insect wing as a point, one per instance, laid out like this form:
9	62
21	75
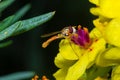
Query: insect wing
50	34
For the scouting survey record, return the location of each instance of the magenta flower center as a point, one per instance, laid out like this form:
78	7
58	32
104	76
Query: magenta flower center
81	37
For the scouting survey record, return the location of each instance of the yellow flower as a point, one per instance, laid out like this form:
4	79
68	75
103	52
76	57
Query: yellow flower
110	57
106	8
99	78
74	60
110	30
108	24
63	64
116	73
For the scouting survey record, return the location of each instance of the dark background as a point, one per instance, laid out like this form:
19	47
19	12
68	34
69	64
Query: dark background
26	52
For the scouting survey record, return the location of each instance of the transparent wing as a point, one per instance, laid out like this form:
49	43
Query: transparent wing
50	34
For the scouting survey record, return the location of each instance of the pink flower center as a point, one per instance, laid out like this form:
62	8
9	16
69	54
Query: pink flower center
81	37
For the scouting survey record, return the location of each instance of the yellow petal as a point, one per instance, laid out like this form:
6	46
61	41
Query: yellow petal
112	32
106	8
95	11
88	58
97	47
60	74
112	54
109	30
100	26
69	50
95	33
78	69
60	62
100	78
110	8
116	73
100	61
96	2
109	57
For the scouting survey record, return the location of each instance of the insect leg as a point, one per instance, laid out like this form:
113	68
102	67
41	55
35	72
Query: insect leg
46	43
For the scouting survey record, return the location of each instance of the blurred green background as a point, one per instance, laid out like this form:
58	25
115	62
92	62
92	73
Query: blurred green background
26	53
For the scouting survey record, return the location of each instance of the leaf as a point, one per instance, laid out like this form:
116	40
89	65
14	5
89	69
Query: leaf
6	22
33	22
21	12
9	31
25	25
5	44
11	19
4	4
18	75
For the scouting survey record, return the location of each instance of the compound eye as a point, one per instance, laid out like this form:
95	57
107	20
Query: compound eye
66	32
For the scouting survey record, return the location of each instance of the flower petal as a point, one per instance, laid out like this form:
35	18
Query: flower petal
96	2
95	11
60	74
109	30
60	62
97	47
106	8
112	32
108	57
95	33
116	73
69	50
78	69
110	8
88	58
112	54
100	26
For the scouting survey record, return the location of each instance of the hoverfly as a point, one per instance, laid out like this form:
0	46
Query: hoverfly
64	33
76	34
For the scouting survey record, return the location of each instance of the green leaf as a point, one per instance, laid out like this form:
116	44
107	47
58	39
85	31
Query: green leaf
33	22
9	31
5	44
18	76
21	12
6	22
11	19
25	25
4	4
